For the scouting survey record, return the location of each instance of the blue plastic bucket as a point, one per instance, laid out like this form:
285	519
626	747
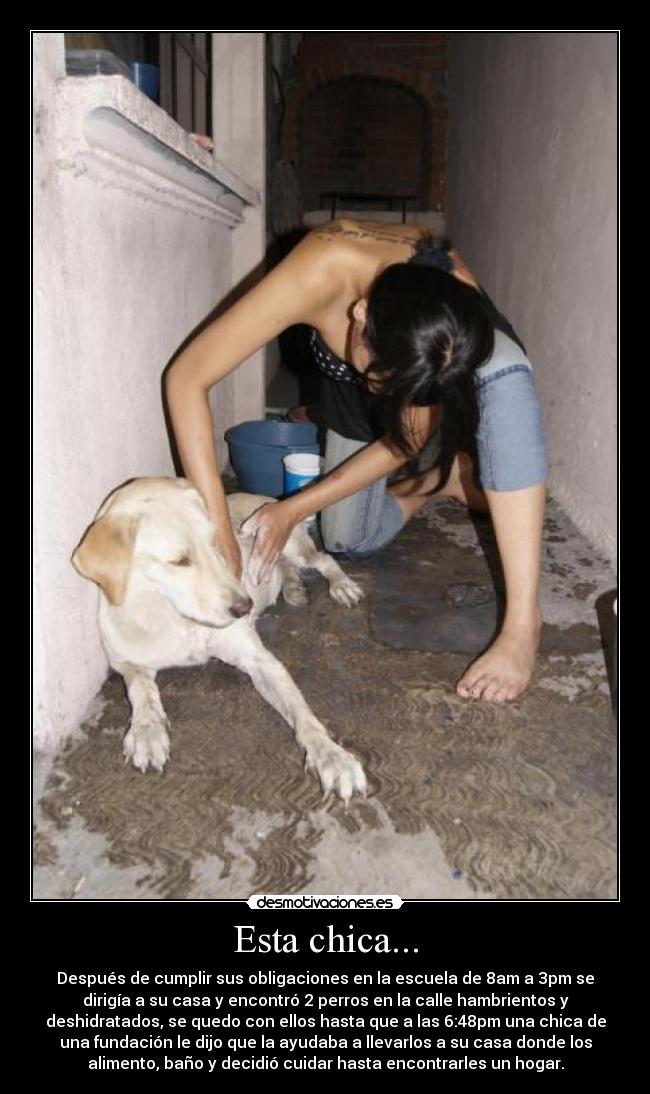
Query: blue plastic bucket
257	450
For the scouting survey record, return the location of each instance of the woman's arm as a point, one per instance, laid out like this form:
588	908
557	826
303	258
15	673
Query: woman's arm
274	523
504	670
293	292
517	517
461	270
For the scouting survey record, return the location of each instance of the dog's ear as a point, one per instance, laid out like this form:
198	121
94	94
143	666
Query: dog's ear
105	553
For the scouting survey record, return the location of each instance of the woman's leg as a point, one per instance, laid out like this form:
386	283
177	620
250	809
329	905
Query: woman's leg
411	494
362	524
358	526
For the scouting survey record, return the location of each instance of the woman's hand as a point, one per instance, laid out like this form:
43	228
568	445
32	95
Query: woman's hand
271	526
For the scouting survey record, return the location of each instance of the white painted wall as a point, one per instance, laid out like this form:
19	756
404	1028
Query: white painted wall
239	136
533	209
125	266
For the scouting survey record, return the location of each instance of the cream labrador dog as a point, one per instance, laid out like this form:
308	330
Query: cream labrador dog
167	598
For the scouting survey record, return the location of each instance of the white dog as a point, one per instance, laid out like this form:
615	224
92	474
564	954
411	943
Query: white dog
167	598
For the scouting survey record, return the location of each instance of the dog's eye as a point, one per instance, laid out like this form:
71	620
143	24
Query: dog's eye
184	560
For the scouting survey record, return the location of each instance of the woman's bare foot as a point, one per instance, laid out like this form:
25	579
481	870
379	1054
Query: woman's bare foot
503	671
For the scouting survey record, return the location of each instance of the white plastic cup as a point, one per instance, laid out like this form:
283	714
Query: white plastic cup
300	468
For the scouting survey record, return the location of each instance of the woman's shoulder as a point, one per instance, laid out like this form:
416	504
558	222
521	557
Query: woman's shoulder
328	267
356	251
328	251
368	246
336	245
362	238
313	274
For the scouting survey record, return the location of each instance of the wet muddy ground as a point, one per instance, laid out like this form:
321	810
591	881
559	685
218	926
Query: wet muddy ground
467	800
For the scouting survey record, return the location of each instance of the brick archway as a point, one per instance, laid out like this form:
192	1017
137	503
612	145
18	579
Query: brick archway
421	85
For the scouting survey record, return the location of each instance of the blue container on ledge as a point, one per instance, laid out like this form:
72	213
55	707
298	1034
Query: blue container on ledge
257	450
146	77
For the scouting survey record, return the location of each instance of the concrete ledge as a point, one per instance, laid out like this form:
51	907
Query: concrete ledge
105	125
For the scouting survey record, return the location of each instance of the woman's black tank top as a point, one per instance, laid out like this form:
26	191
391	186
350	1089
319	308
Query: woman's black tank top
345	406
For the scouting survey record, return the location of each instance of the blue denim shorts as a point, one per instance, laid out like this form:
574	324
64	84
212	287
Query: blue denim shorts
510	438
510	444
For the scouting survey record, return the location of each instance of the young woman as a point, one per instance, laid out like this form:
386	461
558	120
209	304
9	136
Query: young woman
410	346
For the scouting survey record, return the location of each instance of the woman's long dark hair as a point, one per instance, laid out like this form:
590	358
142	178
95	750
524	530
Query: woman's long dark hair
427	333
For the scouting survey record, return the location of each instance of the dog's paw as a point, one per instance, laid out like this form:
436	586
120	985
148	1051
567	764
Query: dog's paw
147	745
346	591
339	771
295	593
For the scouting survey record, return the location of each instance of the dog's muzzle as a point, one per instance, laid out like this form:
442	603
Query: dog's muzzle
241	607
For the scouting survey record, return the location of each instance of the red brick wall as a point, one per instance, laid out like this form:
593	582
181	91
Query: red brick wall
363	136
367	111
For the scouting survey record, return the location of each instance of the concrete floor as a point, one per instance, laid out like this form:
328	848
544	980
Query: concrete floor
467	800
